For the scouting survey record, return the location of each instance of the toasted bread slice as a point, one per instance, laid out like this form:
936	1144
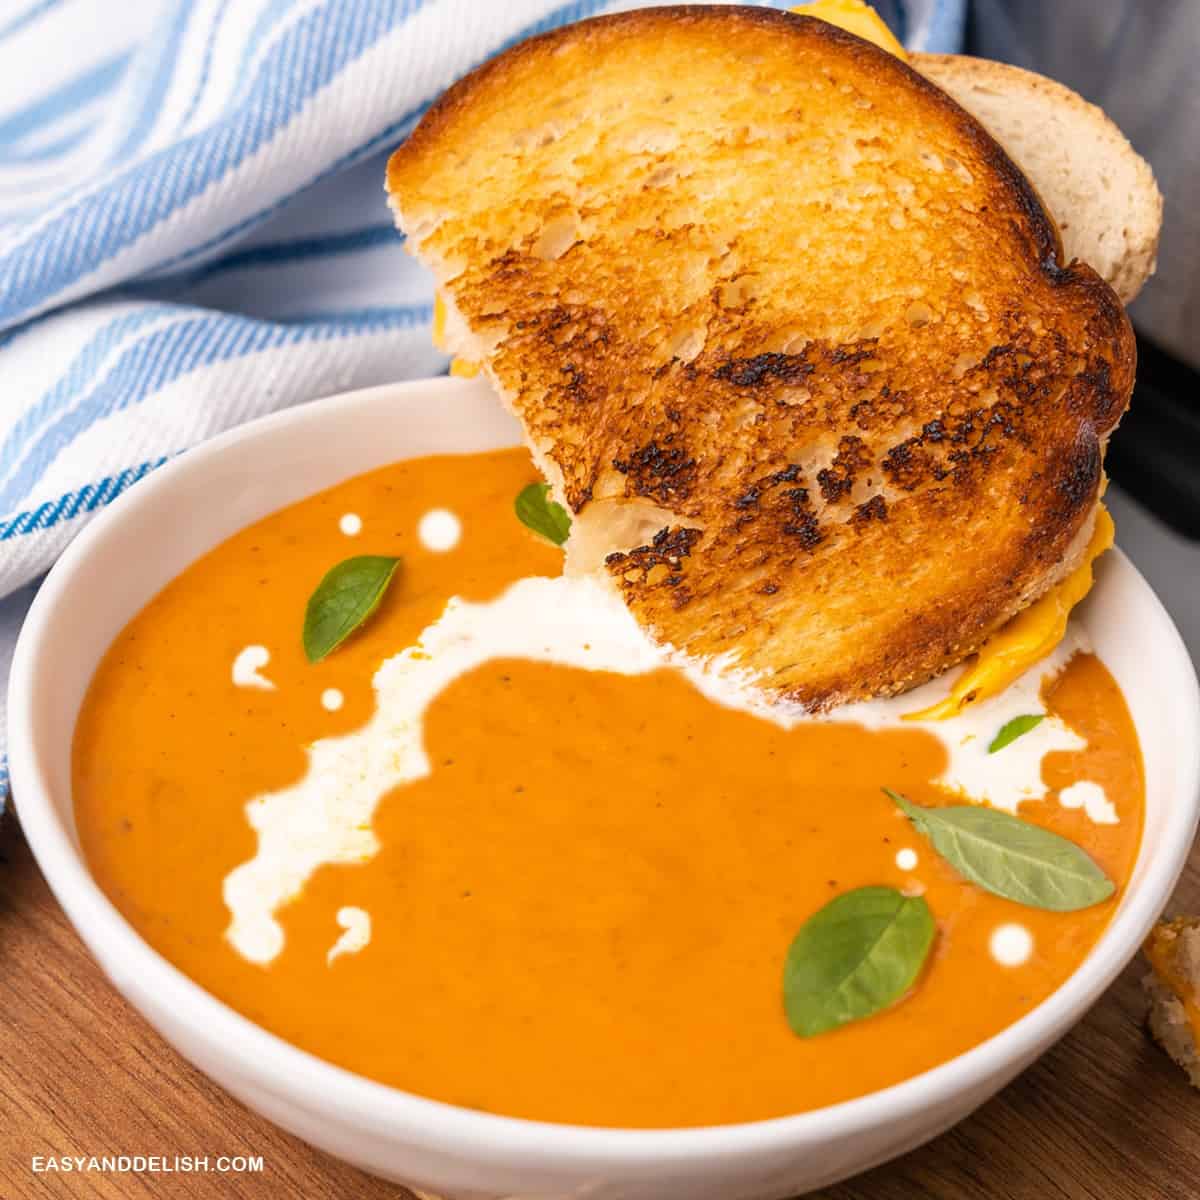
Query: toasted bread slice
787	330
1099	189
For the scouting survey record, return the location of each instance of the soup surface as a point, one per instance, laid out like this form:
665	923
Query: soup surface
578	905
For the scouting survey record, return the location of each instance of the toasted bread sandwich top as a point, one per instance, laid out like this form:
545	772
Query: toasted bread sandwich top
786	329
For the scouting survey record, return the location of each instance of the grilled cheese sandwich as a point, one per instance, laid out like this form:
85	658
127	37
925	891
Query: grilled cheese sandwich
521	265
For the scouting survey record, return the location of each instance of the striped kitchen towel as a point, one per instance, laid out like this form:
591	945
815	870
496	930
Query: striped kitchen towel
193	230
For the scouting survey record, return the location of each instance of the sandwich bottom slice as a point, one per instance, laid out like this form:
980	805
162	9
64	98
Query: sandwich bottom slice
1173	989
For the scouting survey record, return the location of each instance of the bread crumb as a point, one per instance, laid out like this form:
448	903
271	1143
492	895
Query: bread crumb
1172	987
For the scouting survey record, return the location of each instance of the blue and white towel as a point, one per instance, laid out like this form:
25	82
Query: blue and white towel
193	229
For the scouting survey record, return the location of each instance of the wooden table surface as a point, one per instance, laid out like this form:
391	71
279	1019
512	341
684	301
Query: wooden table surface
1103	1115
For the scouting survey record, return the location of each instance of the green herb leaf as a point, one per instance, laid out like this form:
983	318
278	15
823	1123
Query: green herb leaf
856	956
1011	730
344	599
543	515
1010	857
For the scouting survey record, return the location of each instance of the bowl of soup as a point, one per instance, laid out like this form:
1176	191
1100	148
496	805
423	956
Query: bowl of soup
411	840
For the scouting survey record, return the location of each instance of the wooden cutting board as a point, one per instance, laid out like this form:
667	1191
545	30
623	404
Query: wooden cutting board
1103	1115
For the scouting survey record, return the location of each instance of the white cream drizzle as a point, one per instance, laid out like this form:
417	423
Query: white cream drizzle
1013	773
326	817
1011	945
1092	799
574	621
439	530
356	922
247	668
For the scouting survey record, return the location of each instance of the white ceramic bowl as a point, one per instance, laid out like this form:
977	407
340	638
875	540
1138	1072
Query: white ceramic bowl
149	535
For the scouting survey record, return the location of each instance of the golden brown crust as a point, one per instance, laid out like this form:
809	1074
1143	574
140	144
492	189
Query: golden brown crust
1089	177
758	273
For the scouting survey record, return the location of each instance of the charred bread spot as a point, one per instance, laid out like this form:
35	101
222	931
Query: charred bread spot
837	480
659	564
964	427
1092	393
1107	326
676	542
788	474
765	368
669	546
907	465
575	385
874	509
960	467
992	357
855	352
1077	476
833	484
887	408
660	468
752	496
799	519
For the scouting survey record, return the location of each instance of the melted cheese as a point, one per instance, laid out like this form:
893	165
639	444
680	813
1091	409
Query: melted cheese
857	17
438	333
1027	638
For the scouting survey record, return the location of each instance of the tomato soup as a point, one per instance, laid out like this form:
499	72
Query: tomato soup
577	902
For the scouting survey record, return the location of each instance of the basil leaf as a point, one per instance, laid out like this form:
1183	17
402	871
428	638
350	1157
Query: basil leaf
856	956
543	515
344	599
1011	730
1010	857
